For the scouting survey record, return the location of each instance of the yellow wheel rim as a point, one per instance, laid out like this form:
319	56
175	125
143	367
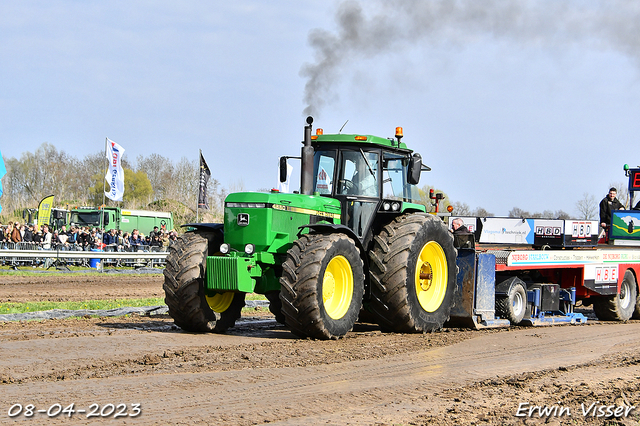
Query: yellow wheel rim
431	276
337	287
221	301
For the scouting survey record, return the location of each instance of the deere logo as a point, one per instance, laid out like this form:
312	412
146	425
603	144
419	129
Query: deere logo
243	219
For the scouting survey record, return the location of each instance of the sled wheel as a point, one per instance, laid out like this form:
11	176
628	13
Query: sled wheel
514	305
620	307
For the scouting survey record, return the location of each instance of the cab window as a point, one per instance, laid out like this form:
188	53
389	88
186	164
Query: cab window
359	173
324	165
394	179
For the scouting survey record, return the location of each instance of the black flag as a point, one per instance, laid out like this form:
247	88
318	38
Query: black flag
205	174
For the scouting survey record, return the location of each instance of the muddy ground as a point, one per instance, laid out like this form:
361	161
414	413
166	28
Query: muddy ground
259	373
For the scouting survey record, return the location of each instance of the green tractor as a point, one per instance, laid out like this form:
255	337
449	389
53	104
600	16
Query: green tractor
353	241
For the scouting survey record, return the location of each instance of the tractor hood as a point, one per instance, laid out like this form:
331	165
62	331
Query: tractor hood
271	221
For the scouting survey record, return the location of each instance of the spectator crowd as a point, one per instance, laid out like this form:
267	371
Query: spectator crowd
15	235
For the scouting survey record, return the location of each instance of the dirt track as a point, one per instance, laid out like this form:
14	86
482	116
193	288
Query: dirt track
259	373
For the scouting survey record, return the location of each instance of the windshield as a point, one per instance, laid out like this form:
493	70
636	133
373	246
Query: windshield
88	218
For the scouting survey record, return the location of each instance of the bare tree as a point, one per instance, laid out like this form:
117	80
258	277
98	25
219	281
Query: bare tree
481	212
548	214
160	172
461	209
79	182
518	212
587	207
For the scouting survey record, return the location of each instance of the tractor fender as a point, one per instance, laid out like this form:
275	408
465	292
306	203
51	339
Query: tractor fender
330	228
215	228
503	288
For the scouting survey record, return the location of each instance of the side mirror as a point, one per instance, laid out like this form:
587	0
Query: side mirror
283	169
415	167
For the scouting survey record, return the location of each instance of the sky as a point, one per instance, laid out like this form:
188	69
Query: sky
512	103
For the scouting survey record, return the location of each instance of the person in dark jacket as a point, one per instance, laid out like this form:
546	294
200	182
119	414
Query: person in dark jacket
459	227
607	205
28	234
73	235
110	237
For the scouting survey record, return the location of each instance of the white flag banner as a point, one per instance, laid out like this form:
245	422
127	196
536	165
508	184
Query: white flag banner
115	174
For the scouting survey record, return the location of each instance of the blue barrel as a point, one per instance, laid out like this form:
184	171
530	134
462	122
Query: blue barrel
95	263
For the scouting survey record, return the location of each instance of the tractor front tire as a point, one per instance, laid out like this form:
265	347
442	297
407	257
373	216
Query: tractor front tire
322	286
232	313
620	307
275	305
413	274
184	284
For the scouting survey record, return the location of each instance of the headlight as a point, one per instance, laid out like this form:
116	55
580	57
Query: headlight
386	206
225	248
249	249
395	207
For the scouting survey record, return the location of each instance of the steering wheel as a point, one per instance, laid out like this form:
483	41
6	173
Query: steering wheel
347	186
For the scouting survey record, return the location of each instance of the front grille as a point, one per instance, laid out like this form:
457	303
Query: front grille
222	273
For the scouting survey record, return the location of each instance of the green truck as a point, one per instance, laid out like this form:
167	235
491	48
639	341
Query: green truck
352	241
123	219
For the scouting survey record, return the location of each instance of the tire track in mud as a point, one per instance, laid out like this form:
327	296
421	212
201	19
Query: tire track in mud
356	391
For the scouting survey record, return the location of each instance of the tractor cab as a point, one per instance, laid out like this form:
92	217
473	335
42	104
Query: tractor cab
370	176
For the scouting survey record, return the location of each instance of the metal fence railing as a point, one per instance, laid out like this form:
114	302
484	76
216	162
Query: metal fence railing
33	254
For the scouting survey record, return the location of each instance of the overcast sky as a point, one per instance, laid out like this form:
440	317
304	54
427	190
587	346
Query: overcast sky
511	103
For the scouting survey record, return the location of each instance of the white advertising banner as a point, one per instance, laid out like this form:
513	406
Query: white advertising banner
115	174
507	231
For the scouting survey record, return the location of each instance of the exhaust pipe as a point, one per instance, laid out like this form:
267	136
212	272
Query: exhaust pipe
307	152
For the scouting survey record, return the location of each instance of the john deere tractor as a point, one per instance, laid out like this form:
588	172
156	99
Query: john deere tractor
353	240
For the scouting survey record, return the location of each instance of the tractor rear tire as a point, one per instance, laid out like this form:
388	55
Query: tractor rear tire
322	286
184	284
413	274
620	307
513	306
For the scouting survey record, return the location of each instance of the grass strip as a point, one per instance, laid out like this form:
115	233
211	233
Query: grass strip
41	273
20	308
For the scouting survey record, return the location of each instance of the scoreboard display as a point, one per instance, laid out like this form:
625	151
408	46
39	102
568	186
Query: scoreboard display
634	180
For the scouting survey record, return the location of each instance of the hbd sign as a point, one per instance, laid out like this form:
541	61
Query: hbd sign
581	230
549	230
